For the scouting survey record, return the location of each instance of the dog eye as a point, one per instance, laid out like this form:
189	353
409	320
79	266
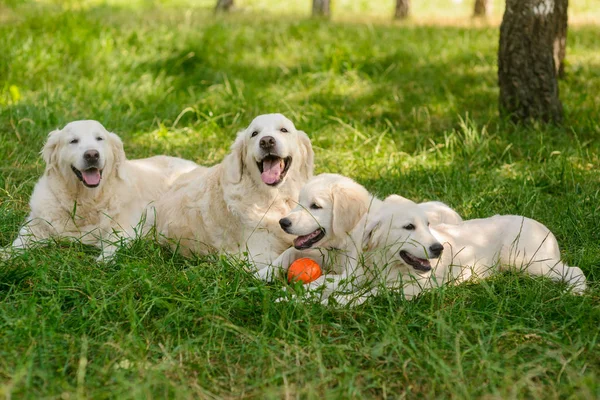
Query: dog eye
254	133
74	141
99	138
283	130
409	227
315	206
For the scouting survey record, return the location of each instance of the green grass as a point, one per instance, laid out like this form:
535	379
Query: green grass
407	108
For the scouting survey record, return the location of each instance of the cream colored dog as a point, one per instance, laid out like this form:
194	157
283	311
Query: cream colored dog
330	212
372	243
236	205
405	252
91	192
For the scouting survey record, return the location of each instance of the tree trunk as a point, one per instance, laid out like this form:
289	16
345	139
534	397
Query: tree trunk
482	8
526	68
320	8
223	5
402	9
560	39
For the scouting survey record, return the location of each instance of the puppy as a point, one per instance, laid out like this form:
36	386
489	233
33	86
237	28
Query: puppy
331	213
236	205
406	252
90	191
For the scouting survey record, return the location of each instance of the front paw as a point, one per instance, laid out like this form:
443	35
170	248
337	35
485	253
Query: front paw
268	274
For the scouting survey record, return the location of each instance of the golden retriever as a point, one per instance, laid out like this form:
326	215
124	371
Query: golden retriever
393	243
329	209
235	206
407	252
396	245
90	191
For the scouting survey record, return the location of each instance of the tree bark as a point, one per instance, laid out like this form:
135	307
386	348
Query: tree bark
482	8
402	9
526	67
320	8
223	5
560	40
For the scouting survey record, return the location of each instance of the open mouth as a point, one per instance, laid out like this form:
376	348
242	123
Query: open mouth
273	169
307	241
420	264
89	177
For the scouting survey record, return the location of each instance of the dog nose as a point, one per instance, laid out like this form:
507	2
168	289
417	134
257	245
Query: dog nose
285	223
435	250
91	155
267	142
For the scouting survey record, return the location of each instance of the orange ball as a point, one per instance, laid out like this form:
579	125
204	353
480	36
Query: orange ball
304	270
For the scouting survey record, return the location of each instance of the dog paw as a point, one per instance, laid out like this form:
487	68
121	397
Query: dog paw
577	281
267	274
578	287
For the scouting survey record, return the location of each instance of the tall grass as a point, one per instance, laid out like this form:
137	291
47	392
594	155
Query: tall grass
406	108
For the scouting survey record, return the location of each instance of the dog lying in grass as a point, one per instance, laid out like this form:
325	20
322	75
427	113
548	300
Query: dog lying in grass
235	206
330	207
90	191
394	244
405	251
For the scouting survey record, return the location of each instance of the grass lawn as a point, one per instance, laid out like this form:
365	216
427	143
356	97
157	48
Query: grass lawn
407	108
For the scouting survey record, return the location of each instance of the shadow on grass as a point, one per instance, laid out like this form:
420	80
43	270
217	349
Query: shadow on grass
393	84
415	79
13	274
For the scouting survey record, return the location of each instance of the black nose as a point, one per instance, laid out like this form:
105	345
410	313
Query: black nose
91	155
435	250
285	223
267	142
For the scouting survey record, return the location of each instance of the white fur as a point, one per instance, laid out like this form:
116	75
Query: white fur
104	216
339	206
228	207
474	248
365	253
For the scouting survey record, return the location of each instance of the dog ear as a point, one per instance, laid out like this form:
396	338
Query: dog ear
118	152
308	155
368	242
49	150
234	162
350	203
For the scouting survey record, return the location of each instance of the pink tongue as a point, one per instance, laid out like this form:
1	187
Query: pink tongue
91	176
299	241
271	171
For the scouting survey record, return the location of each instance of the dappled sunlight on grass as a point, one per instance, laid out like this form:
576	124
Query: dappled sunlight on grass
372	74
407	107
199	144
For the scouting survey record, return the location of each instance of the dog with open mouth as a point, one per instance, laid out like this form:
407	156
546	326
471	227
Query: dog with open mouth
399	244
91	192
235	206
327	224
407	252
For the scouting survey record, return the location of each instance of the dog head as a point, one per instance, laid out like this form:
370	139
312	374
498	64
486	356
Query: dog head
83	151
329	207
268	149
400	229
